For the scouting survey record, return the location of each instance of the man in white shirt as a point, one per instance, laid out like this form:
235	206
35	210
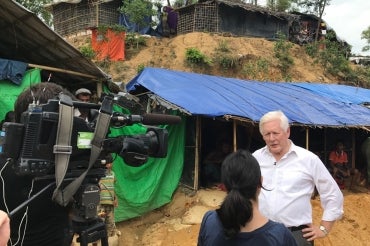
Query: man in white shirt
290	174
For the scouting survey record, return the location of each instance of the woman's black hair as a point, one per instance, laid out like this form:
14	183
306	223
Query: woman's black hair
41	93
9	117
241	175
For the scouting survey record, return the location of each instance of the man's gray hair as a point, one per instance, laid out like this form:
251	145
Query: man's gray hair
275	115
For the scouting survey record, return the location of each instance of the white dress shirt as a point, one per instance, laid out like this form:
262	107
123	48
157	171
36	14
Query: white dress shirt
290	183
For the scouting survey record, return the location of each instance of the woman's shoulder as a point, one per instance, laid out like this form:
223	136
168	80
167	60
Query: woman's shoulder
277	225
210	215
281	234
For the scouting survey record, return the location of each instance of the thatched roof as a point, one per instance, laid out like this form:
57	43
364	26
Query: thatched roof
55	2
247	7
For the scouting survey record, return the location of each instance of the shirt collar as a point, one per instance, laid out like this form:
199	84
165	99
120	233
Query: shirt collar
292	150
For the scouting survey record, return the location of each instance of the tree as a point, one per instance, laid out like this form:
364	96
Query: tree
254	2
366	35
37	7
279	5
138	11
316	7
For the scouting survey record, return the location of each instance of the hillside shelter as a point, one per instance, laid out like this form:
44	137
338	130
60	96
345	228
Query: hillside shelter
234	18
73	17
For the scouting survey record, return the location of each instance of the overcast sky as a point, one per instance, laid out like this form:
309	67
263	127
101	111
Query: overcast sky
348	18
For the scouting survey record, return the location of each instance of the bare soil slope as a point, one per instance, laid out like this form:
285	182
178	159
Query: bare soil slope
254	58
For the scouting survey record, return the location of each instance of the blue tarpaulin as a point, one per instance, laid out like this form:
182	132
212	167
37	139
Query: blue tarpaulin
342	93
214	96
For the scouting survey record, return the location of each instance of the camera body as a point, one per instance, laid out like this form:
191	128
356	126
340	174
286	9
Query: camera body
33	148
30	143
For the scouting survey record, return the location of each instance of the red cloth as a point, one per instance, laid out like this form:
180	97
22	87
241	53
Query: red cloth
109	46
338	157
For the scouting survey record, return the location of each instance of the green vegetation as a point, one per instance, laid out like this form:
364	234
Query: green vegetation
278	5
223	56
366	35
137	10
38	7
194	56
223	46
227	61
87	51
332	56
132	40
256	69
133	44
281	50
363	76
140	68
102	29
104	64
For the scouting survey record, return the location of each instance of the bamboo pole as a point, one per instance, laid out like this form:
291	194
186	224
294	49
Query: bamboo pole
234	136
353	159
62	71
307	138
198	143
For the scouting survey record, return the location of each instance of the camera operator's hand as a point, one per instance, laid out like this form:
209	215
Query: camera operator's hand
4	228
102	214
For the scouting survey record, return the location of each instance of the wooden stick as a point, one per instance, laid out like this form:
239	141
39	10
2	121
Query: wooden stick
62	71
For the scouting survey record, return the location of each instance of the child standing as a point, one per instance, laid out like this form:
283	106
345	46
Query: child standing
108	200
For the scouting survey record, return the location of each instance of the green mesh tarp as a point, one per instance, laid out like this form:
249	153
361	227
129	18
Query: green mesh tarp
142	189
150	186
10	91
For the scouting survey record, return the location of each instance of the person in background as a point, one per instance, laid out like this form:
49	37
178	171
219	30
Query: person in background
9	117
83	95
363	176
4	228
238	221
108	200
339	163
212	163
290	176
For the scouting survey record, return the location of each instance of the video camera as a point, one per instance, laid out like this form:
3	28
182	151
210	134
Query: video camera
50	143
31	143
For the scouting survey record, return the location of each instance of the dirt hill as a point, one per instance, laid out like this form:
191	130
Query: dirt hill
253	58
177	223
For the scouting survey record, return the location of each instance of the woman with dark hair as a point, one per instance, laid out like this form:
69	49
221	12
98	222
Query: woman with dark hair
238	221
9	117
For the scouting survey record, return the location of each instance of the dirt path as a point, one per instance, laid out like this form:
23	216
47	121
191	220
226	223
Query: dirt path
177	224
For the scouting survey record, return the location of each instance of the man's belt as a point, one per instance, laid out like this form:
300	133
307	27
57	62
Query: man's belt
297	228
